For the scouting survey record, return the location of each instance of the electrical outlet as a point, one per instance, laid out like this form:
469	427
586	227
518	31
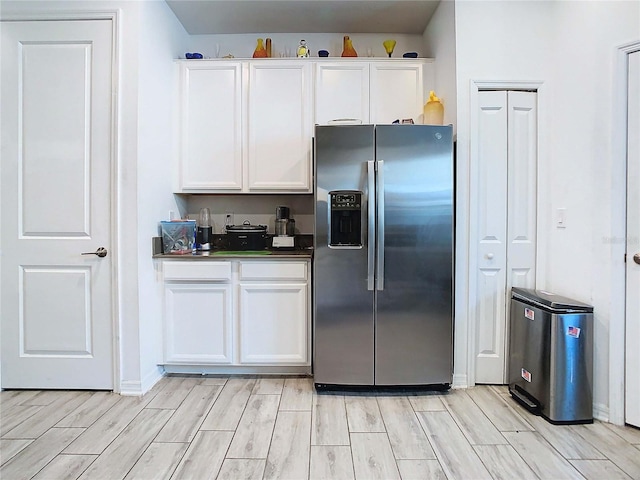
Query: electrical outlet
228	218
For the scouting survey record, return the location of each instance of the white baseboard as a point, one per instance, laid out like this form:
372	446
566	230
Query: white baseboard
601	412
131	388
152	378
137	389
460	381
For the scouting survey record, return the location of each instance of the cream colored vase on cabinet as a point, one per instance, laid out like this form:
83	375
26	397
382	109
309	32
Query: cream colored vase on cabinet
503	236
369	92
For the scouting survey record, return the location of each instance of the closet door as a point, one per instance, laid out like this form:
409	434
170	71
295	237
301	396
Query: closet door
632	333
505	190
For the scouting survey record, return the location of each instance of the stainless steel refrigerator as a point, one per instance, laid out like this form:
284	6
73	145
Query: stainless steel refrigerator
383	259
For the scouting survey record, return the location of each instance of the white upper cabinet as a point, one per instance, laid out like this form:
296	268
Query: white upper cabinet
397	91
245	127
279	126
211	127
342	92
369	91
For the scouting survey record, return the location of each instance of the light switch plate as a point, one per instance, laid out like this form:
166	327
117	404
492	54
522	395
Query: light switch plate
561	218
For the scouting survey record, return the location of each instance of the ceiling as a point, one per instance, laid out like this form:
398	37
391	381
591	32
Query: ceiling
304	16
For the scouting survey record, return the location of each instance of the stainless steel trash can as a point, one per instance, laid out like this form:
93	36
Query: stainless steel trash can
551	355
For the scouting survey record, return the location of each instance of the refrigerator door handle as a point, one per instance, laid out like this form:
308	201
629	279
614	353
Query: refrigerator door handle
380	224
371	221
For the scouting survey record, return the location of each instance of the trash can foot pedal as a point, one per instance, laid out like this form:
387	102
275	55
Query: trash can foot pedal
524	399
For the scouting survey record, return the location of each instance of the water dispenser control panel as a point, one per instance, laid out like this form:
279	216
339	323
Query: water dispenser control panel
345	229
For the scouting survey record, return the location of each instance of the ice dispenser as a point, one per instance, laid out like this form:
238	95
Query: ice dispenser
345	218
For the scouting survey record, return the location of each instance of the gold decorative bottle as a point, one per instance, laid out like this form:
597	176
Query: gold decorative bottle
347	48
433	113
268	48
260	51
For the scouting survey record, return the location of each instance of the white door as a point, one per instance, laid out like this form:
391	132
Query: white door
632	332
505	190
56	188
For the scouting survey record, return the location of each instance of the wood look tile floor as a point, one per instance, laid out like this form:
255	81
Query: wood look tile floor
193	427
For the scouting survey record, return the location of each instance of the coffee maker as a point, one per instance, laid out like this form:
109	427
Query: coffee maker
204	232
285	229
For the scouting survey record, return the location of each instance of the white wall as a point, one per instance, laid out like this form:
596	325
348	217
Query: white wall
161	40
439	41
579	261
243	45
570	46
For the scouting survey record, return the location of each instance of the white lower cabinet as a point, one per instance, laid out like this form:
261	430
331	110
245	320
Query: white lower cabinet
237	313
274	297
198	326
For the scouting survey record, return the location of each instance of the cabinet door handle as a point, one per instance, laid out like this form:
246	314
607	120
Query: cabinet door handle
489	256
636	258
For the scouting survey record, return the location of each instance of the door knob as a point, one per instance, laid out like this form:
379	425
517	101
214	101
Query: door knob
636	258
100	252
489	256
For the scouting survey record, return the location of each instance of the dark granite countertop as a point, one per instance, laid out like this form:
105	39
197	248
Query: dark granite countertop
303	250
226	254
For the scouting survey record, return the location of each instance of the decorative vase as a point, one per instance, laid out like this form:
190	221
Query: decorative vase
260	51
433	112
347	48
389	45
268	48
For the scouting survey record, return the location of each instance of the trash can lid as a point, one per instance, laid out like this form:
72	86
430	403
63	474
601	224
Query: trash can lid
550	300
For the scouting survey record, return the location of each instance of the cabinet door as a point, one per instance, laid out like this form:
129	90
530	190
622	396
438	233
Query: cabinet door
342	92
211	127
274	324
279	126
198	326
397	91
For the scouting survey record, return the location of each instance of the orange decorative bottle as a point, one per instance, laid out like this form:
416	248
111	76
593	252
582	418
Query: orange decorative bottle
347	48
260	51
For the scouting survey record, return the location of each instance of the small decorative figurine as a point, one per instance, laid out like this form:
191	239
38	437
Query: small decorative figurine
303	50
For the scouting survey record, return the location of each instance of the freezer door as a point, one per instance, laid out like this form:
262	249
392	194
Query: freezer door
343	300
414	294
